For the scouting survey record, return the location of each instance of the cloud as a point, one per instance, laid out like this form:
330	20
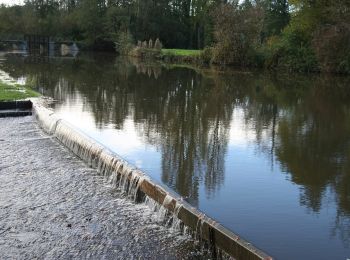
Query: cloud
11	2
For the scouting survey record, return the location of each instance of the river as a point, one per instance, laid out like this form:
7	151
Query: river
267	155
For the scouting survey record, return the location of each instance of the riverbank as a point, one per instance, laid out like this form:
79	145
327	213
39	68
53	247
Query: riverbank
181	56
207	58
168	55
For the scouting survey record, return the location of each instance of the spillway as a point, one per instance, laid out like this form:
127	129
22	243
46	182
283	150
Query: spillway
136	185
53	206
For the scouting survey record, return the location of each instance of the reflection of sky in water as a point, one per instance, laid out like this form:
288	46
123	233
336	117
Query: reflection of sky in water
125	142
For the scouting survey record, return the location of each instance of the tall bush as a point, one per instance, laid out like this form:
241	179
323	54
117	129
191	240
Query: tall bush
237	31
158	45
124	43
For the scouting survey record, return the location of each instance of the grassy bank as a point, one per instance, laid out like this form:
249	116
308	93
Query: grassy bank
181	56
167	55
181	52
10	92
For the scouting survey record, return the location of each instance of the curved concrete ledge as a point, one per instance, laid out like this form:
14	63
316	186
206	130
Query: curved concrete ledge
107	163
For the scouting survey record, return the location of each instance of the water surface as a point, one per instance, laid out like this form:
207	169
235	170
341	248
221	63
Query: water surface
268	156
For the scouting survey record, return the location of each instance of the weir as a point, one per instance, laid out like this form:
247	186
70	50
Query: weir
136	185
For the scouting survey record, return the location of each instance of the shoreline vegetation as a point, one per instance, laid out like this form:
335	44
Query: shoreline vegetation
148	51
207	57
284	35
10	92
153	50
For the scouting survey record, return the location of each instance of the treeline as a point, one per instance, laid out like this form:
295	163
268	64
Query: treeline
297	35
98	23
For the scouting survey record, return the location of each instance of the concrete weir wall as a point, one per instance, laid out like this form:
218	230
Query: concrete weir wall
99	157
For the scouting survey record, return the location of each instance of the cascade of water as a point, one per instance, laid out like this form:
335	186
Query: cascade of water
167	200
199	227
152	204
160	211
83	147
134	178
120	175
106	164
173	222
136	181
176	222
163	215
114	177
124	178
47	119
137	188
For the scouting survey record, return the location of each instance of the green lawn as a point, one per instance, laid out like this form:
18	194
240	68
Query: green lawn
181	52
10	92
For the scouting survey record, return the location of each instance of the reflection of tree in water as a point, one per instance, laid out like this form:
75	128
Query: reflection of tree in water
321	141
303	124
196	118
309	135
317	134
186	116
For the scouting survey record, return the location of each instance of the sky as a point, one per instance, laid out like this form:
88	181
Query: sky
11	2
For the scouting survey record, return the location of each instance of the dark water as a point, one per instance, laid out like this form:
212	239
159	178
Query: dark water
268	156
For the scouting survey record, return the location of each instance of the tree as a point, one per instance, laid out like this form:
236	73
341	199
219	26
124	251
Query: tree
237	30
276	17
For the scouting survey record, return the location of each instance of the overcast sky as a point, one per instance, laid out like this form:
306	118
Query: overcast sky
11	2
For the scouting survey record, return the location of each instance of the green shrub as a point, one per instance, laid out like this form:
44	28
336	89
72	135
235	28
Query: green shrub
256	57
124	43
145	53
206	55
291	51
332	47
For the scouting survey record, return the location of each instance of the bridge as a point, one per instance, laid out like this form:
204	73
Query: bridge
41	44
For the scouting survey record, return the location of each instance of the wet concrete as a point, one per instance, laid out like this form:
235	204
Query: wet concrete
53	206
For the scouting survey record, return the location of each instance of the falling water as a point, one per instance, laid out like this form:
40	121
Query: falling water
118	173
122	176
166	217
66	211
47	119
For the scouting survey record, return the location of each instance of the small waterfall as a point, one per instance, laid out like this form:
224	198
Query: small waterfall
170	210
128	180
83	147
177	223
118	173
199	227
47	119
165	216
135	187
